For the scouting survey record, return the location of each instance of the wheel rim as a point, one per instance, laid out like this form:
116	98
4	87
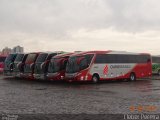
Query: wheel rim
132	77
95	79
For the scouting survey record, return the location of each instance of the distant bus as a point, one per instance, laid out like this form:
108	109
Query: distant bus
2	59
18	65
156	65
57	67
108	65
41	65
30	65
8	64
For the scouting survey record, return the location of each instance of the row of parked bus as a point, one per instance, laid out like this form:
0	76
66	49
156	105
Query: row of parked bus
82	66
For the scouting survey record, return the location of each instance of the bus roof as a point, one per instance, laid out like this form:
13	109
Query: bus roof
50	52
108	52
90	52
35	53
63	55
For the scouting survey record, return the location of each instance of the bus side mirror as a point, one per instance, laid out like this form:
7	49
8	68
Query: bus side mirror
149	60
19	65
11	66
32	66
43	66
64	64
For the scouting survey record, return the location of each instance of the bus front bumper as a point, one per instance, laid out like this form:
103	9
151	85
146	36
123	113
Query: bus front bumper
76	77
28	76
55	76
17	74
40	76
7	73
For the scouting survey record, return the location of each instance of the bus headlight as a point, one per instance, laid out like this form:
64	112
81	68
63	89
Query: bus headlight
86	77
82	78
62	77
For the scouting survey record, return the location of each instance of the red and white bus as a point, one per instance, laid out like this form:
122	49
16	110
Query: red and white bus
57	67
108	65
2	59
18	65
29	65
41	65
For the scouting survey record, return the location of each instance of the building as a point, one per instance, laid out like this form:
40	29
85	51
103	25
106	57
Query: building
18	49
6	51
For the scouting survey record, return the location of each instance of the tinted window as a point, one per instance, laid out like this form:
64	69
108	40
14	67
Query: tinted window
54	65
156	59
83	64
118	58
2	59
24	58
57	64
31	57
51	55
42	57
77	63
19	57
11	57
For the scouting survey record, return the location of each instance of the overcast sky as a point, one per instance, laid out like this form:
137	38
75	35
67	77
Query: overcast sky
73	25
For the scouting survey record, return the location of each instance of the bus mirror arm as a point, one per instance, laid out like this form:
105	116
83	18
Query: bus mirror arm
43	66
11	66
19	65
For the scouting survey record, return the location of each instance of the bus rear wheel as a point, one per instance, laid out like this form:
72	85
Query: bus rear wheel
132	77
95	79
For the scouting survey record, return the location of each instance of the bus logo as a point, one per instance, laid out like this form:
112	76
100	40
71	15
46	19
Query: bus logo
105	70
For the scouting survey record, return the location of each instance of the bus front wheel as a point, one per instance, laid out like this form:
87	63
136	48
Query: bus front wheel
159	72
95	78
132	77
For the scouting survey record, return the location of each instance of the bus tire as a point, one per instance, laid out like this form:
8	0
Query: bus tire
132	77
159	72
95	78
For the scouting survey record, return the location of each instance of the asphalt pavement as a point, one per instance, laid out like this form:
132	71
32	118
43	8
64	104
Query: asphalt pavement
18	96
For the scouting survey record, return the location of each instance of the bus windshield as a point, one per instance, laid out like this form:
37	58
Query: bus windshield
42	57
2	59
57	64
31	58
11	57
19	57
78	63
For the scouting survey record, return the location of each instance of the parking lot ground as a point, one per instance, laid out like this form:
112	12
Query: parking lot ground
19	96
